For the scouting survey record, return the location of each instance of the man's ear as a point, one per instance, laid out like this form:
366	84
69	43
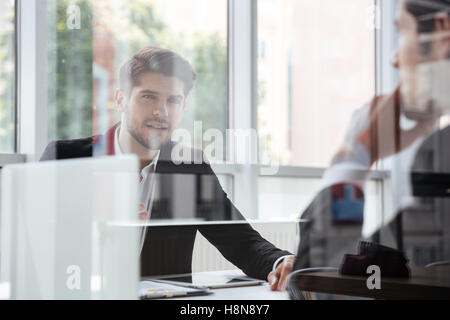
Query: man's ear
443	31
120	100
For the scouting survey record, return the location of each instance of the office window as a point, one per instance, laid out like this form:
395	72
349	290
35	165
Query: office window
196	29
7	77
316	65
282	198
285	198
90	40
69	45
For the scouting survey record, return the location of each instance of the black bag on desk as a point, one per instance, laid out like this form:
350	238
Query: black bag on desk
392	262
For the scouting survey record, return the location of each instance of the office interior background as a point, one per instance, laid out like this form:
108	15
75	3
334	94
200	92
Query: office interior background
293	70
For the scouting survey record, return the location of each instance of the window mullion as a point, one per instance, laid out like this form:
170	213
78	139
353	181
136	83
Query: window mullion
31	88
241	97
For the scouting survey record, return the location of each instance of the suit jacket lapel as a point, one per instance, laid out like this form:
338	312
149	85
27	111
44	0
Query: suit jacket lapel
103	145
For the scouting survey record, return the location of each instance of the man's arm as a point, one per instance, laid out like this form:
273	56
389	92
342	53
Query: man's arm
244	247
240	244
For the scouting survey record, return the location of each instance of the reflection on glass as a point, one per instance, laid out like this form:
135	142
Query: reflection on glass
408	130
7	92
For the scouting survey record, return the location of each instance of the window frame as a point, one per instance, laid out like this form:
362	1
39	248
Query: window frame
31	90
242	73
30	85
385	80
8	157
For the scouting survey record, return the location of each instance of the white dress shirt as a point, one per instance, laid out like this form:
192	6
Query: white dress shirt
146	190
355	167
146	184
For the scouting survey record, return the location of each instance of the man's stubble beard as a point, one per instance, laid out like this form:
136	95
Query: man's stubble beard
153	143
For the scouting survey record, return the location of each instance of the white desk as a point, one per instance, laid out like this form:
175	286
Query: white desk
261	292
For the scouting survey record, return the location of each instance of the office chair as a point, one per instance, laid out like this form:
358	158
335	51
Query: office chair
438	264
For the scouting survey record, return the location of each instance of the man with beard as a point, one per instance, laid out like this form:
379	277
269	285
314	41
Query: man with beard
154	86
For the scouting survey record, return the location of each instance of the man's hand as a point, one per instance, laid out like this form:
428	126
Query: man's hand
277	278
384	136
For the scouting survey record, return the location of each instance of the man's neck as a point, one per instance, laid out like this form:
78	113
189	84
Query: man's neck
129	145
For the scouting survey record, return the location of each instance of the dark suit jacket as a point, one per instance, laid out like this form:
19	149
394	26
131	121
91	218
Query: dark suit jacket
168	249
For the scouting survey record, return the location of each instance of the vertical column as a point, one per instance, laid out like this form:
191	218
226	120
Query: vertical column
242	103
32	77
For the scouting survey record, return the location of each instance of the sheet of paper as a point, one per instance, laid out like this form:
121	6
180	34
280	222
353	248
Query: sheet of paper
151	289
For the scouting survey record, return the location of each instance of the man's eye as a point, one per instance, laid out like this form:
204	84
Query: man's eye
149	97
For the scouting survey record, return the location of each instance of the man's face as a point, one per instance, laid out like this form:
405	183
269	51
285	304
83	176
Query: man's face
419	71
154	109
408	54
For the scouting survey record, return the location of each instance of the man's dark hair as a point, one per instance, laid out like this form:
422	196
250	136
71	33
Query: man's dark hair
424	11
154	59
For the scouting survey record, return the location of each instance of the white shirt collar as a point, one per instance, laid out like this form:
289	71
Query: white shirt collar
118	151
